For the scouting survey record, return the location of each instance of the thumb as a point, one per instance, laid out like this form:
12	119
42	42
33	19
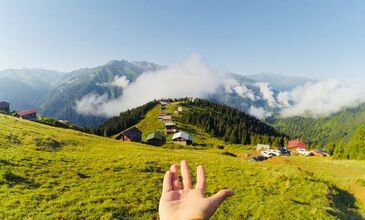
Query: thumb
217	199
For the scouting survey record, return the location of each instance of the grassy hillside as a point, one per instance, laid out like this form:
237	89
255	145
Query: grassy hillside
331	132
49	172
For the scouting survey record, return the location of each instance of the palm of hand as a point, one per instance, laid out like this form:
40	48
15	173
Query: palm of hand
180	204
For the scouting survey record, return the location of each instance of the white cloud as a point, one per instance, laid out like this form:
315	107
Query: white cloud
191	78
120	81
267	93
323	98
283	99
232	86
91	104
259	112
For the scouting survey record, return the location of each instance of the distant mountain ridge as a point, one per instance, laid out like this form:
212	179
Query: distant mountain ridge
280	82
27	88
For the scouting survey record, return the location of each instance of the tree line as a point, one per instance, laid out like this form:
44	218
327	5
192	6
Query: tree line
232	125
124	120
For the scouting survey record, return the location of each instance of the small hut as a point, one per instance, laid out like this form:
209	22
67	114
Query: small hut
156	138
132	134
182	138
293	145
170	127
29	114
166	118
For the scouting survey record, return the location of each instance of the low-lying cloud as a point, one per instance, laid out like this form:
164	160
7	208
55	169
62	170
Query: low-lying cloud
191	78
322	98
259	112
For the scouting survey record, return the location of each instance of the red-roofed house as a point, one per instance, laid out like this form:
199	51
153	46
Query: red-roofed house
29	114
295	144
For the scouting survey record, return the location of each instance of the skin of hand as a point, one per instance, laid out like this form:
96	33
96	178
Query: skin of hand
185	203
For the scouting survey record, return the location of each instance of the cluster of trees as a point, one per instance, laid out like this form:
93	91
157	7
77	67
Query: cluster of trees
354	149
124	120
231	124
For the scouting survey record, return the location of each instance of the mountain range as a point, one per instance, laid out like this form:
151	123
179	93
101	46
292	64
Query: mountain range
54	94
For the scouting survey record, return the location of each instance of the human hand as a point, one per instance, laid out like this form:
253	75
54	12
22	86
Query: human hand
179	203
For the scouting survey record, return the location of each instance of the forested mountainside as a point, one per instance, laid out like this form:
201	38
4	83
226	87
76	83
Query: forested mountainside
232	125
336	132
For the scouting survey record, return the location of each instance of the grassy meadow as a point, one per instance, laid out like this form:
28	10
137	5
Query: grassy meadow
55	173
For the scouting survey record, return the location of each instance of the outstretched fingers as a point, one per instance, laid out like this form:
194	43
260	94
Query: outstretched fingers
185	173
217	199
200	178
167	185
176	185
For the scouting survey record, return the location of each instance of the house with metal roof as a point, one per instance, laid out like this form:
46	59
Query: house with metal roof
156	138
182	138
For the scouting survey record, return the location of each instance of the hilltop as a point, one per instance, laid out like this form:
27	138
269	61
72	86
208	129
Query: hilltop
209	123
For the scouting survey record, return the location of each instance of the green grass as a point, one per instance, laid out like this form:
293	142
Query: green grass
49	173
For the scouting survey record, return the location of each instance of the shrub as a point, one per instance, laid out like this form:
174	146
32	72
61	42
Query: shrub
47	144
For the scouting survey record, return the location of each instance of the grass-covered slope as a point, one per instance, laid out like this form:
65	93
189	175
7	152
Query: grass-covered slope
54	173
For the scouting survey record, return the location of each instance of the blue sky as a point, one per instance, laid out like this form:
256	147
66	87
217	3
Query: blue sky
317	38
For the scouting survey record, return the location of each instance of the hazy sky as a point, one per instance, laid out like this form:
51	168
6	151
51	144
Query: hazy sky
315	38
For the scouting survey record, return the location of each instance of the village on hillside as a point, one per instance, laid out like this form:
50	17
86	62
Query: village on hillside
181	137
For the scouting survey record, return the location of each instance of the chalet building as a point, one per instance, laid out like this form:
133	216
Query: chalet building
29	114
131	134
261	147
156	139
166	118
163	105
170	127
180	109
162	114
4	107
293	145
182	138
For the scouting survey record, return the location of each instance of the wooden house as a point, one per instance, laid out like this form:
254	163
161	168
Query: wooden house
182	138
4	107
29	114
170	127
156	138
261	147
163	105
166	118
293	145
131	134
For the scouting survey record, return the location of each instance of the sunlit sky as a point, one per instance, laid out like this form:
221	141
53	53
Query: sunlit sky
314	38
